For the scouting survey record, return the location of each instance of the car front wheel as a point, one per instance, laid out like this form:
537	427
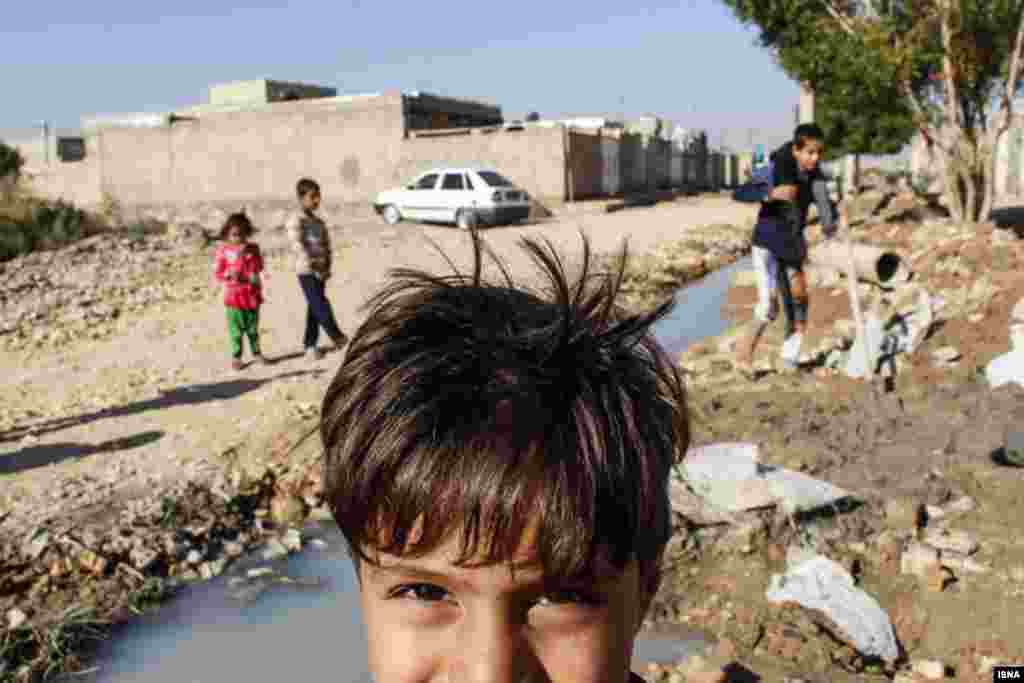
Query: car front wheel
465	219
391	214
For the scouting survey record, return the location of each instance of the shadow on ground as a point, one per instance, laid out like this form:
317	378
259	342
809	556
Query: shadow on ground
33	457
187	395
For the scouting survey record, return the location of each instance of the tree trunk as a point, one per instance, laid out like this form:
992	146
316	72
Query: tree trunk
970	178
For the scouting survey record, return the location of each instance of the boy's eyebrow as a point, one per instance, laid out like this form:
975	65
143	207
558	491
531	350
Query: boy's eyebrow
536	579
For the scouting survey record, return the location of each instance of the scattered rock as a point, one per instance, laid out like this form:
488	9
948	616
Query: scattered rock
903	513
938	577
143	558
959	542
292	540
931	669
946	355
288	509
16	618
274	550
918	559
209	570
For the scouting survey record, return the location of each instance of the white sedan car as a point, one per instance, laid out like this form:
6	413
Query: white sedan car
462	196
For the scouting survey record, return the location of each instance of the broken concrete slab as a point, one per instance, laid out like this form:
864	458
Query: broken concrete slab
731	478
823	585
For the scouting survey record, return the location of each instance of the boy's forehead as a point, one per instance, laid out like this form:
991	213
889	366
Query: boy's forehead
442	562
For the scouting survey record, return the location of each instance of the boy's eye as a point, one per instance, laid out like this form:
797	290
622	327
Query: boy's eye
570	596
425	592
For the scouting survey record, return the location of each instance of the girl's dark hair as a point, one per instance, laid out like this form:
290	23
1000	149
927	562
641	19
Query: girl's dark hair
237	220
464	405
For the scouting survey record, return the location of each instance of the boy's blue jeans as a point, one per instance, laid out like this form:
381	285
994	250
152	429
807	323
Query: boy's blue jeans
318	311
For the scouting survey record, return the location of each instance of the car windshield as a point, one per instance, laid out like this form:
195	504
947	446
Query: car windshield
494	179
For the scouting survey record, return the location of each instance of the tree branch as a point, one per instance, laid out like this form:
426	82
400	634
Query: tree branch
837	14
948	71
1006	111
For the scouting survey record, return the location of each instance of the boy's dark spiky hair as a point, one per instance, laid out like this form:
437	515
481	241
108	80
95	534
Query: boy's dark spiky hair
479	408
805	132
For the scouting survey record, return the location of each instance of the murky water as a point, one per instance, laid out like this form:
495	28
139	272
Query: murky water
208	635
699	310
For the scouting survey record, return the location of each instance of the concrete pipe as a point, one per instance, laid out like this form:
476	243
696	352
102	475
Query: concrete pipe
872	264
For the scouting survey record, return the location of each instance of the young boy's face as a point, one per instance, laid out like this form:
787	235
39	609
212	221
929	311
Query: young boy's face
429	621
311	201
808	156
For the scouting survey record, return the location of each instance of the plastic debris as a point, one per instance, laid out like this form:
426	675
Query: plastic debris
1006	368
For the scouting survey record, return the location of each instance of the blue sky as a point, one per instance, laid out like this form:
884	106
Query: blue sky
688	60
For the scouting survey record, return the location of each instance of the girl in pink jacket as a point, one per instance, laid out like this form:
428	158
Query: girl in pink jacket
239	265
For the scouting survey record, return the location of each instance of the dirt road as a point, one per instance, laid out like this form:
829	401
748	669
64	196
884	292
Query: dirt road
160	396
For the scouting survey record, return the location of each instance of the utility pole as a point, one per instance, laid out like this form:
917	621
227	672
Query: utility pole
46	140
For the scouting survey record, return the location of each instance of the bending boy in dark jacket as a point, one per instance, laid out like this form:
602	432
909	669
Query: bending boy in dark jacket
779	245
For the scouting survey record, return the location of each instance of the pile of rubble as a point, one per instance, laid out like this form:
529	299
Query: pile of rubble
816	612
50	299
182	533
650	278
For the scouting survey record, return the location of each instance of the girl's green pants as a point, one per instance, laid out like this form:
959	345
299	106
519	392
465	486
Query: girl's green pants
243	322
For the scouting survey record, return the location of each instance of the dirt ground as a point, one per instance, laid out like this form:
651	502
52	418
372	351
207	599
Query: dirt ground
100	440
908	449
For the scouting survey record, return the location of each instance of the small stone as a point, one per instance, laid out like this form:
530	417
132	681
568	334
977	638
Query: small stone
959	542
946	355
234	549
292	540
288	509
961	505
903	513
319	543
986	664
258	572
932	669
937	578
194	557
274	550
1018	311
918	559
209	570
143	558
15	618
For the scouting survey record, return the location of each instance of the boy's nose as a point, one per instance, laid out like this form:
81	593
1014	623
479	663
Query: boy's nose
496	652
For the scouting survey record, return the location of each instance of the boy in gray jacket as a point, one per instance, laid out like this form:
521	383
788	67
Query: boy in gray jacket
312	245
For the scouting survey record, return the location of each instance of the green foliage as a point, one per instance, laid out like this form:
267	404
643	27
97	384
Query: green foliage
879	75
857	100
28	653
41	226
11	161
